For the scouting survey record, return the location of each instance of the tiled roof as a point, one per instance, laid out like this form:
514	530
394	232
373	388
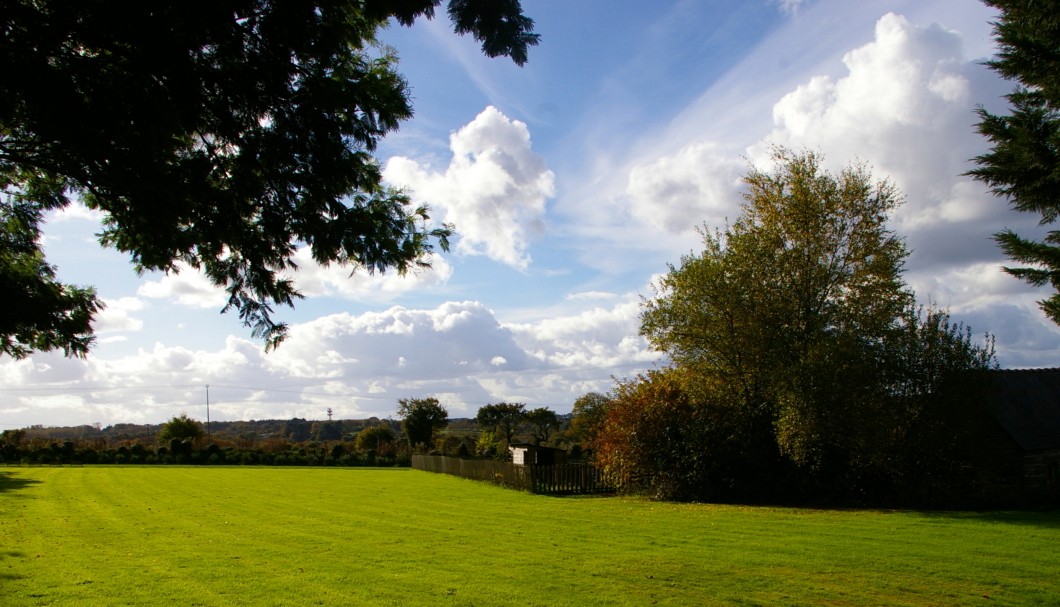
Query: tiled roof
1027	405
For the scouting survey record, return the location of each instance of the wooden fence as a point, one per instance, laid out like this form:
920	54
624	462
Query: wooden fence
566	479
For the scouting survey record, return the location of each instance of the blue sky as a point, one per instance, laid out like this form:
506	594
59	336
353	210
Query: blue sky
573	182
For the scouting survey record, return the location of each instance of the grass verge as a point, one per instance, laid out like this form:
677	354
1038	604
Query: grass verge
297	536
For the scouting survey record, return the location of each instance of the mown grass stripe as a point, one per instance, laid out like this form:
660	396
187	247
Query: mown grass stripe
280	536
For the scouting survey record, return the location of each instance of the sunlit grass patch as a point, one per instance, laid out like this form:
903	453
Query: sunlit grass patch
283	536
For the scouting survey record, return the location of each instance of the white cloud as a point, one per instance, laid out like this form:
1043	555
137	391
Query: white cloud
313	280
601	338
76	210
461	350
1024	337
117	316
148	386
494	189
186	286
190	287
905	107
590	296
678	193
402	343
358	365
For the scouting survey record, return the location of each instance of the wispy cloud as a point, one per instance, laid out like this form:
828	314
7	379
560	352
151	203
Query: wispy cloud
790	6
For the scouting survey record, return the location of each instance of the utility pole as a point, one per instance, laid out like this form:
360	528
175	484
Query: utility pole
208	413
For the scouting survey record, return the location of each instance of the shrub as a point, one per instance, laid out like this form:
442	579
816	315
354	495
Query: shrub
670	439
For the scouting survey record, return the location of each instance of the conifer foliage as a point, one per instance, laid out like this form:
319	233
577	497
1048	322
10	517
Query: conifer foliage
1023	165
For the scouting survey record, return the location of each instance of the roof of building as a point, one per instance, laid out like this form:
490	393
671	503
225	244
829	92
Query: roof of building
533	446
1027	405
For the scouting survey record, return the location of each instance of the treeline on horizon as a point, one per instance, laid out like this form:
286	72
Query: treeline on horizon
273	442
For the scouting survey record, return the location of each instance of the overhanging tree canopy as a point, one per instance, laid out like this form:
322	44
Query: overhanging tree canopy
220	134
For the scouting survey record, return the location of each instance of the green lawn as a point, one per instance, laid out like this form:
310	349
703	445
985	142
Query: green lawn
312	536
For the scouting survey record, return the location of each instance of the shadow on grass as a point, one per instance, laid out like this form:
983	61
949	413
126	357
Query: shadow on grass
1046	518
1049	519
12	481
11	554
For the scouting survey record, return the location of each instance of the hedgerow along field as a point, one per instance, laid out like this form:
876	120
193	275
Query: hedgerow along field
321	536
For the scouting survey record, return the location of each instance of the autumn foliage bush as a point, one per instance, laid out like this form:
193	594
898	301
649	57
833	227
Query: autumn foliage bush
667	437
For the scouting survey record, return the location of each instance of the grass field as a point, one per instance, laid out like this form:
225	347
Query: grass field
298	536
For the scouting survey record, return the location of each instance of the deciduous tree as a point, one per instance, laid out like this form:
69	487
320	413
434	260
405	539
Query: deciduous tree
785	307
217	135
325	431
421	417
542	421
587	414
646	440
297	430
374	438
795	320
1023	165
505	417
181	428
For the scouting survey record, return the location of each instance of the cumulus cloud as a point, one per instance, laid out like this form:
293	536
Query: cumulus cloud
454	338
494	189
900	92
990	301
905	107
117	316
358	365
971	286
314	280
148	386
186	286
1023	337
462	351
678	193
190	287
598	338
